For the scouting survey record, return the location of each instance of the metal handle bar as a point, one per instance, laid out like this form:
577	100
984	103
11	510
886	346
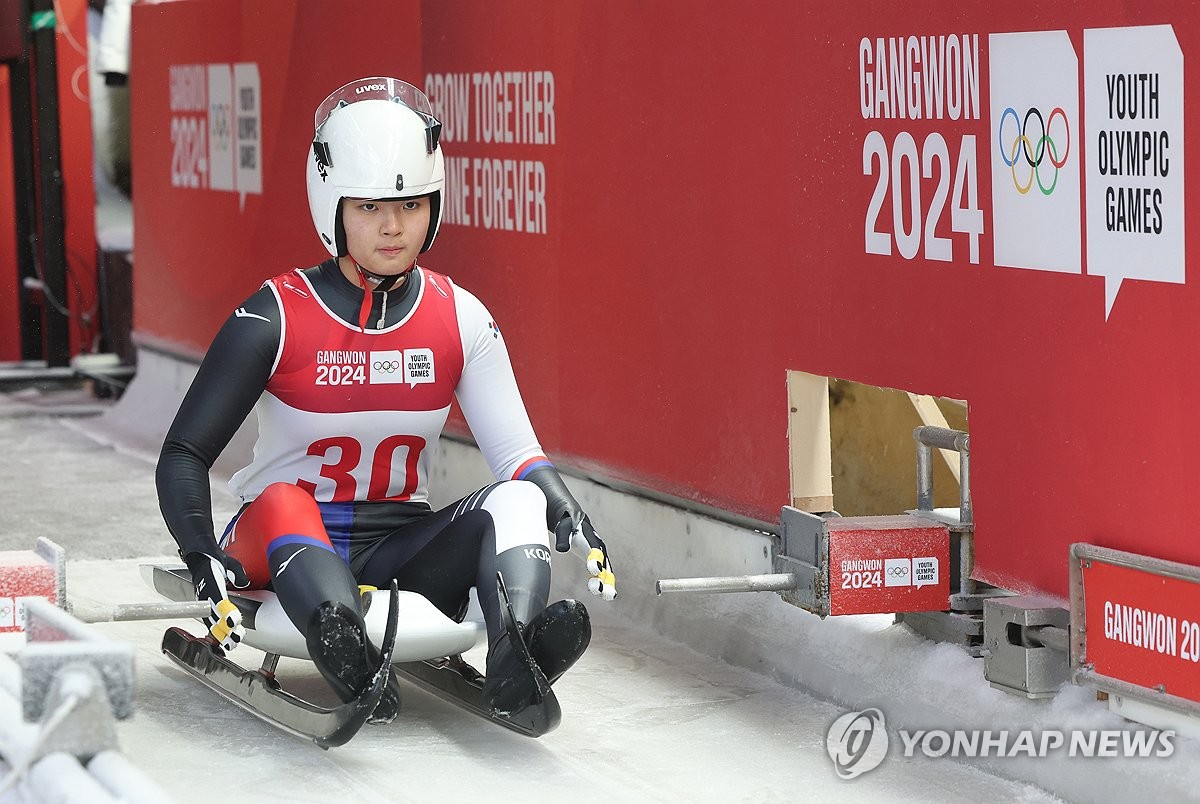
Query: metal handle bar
778	582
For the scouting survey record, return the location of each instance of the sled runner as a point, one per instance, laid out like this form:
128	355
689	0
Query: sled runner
259	693
422	644
452	679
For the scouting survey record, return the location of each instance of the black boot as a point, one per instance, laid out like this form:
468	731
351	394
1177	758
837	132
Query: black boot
510	685
558	636
337	643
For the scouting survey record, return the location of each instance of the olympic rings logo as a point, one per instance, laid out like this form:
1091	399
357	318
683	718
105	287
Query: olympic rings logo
897	572
1035	150
219	121
387	366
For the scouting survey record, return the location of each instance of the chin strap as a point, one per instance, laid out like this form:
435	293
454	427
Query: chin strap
370	282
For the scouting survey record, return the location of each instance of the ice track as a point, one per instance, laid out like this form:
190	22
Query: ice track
645	718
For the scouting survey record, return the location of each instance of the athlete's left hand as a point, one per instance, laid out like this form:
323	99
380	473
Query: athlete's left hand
576	531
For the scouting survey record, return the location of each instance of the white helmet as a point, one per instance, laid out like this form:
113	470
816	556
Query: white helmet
375	138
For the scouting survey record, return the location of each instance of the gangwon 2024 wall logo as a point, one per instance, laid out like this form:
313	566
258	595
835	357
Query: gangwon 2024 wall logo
216	128
1131	167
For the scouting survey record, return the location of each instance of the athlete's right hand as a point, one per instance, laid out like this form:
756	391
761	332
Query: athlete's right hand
210	573
575	531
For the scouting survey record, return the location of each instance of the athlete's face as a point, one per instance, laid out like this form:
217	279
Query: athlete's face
385	236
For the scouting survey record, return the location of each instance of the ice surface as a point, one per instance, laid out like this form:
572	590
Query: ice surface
645	718
125	780
89	497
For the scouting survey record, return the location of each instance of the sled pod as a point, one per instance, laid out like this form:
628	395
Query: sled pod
424	631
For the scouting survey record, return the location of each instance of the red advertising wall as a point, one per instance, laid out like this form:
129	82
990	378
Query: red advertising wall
667	208
206	236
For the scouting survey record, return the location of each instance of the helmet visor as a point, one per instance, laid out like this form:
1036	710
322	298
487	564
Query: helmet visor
379	88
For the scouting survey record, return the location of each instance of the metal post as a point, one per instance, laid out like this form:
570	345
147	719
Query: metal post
25	198
965	513
928	437
50	184
924	476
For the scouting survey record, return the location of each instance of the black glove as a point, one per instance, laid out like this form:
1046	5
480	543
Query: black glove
578	533
210	573
572	529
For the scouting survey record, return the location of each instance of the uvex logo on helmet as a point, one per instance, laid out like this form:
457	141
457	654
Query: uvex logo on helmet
368	88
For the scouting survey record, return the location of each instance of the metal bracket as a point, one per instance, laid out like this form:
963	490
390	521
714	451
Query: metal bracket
57	640
1026	641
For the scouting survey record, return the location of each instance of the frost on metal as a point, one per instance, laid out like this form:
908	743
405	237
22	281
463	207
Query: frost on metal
56	557
76	716
58	707
56	641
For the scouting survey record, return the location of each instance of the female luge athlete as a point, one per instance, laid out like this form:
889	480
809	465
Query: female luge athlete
352	366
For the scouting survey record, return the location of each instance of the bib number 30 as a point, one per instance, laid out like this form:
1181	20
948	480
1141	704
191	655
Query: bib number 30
342	455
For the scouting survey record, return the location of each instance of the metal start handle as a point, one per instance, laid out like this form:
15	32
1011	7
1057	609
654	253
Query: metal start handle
776	582
89	611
